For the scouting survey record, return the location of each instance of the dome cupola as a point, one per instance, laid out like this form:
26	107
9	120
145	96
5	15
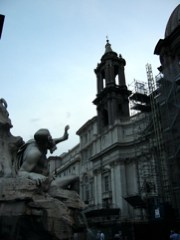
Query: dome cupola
173	22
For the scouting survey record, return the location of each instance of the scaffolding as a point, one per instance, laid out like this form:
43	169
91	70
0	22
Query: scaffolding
151	156
144	157
169	102
157	138
150	152
139	99
158	155
140	102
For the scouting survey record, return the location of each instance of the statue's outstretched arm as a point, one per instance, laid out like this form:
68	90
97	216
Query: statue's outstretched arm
64	137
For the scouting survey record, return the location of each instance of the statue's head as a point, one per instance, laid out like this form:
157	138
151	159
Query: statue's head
44	139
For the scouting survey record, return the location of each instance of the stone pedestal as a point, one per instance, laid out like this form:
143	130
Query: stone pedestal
26	212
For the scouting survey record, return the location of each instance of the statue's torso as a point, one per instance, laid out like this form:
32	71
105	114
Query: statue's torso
41	162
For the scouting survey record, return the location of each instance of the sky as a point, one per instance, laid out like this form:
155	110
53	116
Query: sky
50	48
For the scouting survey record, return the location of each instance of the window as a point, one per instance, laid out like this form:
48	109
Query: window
106	183
116	80
88	189
104	83
91	189
86	193
107	203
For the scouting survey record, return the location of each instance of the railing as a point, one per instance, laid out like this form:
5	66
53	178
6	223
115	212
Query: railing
101	206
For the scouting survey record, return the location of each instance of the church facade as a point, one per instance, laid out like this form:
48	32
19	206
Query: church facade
125	162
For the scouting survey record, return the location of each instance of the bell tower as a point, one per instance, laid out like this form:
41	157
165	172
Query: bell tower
112	93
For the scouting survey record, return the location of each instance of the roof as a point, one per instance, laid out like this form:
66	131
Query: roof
173	22
86	125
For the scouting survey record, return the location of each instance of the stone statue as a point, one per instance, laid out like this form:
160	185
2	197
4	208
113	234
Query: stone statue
8	143
28	191
32	162
4	115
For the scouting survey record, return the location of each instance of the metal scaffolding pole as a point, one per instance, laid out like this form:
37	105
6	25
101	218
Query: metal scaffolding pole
161	165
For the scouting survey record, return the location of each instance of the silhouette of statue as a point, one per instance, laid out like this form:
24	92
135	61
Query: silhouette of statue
32	162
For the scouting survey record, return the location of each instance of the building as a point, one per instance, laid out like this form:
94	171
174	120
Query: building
168	80
129	164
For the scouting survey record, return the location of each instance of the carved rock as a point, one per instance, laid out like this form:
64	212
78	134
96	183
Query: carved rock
22	200
8	143
26	210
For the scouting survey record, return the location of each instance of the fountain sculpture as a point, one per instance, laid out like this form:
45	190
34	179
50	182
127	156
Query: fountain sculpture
34	204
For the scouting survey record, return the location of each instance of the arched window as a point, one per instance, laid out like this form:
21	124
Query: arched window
104	83
116	75
116	80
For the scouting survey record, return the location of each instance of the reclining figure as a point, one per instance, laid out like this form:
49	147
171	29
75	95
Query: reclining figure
32	162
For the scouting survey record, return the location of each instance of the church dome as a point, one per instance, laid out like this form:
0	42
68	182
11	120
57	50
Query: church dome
173	22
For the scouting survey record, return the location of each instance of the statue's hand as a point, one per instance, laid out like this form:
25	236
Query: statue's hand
67	128
66	132
40	180
46	182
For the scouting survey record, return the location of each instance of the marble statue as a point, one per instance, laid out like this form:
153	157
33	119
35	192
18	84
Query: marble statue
32	161
31	197
8	143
